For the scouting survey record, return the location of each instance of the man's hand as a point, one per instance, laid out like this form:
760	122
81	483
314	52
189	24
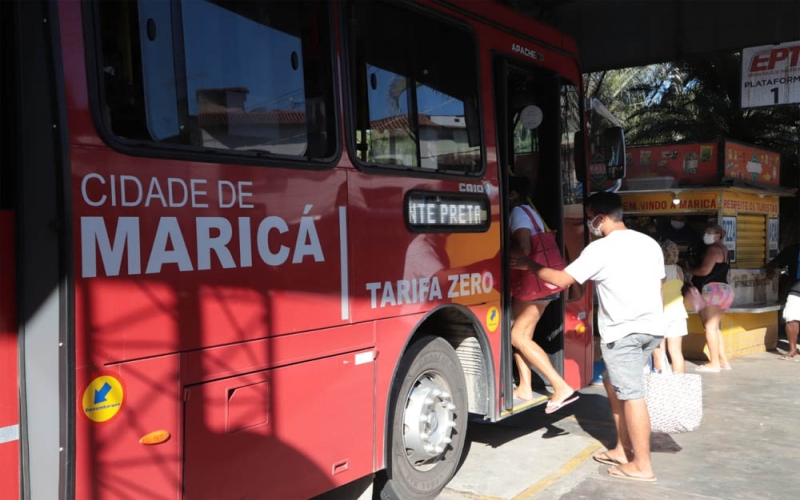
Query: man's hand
553	276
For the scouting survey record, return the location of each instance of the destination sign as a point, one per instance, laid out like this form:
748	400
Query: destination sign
446	212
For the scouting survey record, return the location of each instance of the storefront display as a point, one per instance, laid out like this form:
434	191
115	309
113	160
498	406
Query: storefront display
678	190
697	164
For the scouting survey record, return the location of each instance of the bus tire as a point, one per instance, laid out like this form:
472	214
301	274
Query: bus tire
428	411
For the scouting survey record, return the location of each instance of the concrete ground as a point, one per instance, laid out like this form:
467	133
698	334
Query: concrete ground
745	447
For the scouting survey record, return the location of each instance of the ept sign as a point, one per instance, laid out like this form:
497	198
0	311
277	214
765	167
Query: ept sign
771	75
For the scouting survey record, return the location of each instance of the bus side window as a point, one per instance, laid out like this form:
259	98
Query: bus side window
415	101
240	77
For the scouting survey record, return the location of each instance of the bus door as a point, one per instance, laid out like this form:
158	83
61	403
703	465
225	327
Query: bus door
529	139
36	391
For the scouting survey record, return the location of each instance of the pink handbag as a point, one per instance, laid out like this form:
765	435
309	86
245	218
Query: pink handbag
525	285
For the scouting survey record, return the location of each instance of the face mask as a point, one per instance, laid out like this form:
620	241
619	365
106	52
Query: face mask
677	224
708	239
595	230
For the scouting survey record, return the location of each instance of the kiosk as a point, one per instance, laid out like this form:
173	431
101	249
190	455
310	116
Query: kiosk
730	184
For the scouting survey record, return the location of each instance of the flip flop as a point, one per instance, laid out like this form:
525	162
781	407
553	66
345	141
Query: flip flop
621	474
786	357
726	368
603	458
554	407
706	369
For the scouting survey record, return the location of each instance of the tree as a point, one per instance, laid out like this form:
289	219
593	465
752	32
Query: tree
698	100
706	107
626	91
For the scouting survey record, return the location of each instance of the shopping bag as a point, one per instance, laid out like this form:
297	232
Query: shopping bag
674	400
525	285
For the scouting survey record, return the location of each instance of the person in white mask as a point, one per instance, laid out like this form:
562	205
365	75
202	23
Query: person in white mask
627	269
711	296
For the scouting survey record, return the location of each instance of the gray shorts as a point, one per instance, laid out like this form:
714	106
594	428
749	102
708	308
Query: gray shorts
625	360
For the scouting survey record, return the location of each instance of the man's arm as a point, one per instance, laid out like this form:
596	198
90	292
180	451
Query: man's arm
556	277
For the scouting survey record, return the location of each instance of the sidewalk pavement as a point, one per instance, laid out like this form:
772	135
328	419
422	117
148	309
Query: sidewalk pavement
744	448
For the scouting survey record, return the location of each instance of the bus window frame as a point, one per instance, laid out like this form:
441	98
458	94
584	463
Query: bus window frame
581	129
181	152
347	65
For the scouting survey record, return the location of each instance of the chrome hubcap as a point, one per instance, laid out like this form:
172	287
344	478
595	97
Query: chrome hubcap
428	421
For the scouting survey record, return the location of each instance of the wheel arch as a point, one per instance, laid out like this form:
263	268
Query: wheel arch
463	331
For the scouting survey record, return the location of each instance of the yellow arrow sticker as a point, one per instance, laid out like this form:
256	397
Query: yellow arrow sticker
492	319
103	398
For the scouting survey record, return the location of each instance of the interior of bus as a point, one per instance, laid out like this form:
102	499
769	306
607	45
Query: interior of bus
537	117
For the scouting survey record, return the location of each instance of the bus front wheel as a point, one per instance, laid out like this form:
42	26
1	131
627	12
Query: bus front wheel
428	421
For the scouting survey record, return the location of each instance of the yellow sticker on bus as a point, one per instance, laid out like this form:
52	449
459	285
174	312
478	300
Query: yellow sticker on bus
103	398
492	319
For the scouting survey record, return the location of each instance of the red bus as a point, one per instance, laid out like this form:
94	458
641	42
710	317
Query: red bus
256	249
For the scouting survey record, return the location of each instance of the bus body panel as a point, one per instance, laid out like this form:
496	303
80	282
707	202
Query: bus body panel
578	317
241	264
392	265
9	354
203	337
206	365
504	19
267	433
110	461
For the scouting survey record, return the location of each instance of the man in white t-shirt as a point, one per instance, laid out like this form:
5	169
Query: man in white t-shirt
627	268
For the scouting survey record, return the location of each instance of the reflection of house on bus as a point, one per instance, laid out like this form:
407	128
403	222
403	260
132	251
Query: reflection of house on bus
444	141
225	124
